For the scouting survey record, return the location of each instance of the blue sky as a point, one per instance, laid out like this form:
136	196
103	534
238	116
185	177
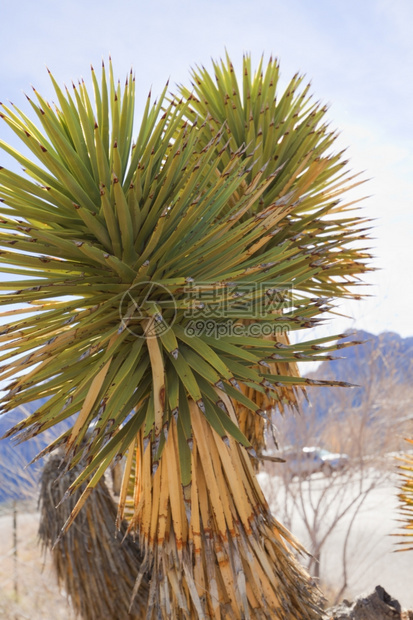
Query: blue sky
358	56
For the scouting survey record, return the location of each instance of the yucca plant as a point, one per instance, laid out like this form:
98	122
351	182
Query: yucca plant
406	501
120	247
96	569
286	135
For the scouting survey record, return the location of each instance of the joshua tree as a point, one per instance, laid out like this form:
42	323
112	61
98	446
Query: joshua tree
159	280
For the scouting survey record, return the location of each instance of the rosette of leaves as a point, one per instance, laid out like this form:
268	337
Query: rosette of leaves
108	237
285	135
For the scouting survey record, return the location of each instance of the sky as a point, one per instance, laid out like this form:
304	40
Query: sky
357	55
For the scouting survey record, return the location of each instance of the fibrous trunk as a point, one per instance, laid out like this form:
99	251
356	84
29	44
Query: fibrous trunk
213	548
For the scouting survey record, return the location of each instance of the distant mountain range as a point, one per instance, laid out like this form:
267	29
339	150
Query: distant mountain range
382	363
17	481
384	351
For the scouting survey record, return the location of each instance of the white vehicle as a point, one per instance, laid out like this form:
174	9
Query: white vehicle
312	459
